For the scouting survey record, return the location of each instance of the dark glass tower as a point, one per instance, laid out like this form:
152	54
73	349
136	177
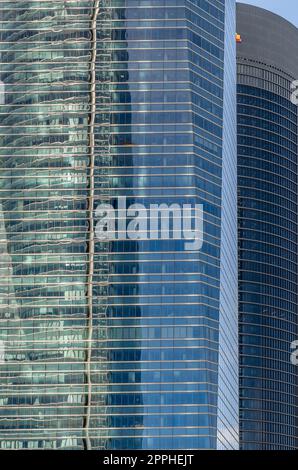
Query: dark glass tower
267	185
124	344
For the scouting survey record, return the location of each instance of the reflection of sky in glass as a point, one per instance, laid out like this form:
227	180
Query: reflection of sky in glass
285	8
121	349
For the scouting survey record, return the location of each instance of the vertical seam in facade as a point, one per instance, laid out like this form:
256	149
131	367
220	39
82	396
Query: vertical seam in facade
87	441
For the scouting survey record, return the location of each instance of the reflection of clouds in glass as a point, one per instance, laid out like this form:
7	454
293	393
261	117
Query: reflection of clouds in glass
294	355
8	304
2	352
294	95
228	435
2	93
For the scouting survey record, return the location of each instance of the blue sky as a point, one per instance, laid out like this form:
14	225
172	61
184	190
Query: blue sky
286	8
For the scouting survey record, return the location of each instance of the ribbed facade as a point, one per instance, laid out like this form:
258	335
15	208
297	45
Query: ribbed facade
268	268
116	344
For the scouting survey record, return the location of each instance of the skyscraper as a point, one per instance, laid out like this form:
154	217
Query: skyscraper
267	182
117	343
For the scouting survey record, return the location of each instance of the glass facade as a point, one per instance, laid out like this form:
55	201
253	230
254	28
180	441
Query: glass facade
228	375
116	344
267	187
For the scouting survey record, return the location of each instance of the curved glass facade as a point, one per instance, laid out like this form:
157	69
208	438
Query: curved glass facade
45	155
267	186
115	344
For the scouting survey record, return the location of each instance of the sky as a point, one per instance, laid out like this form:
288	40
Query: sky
286	8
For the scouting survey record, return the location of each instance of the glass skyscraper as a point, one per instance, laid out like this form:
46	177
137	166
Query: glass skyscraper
267	185
117	344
